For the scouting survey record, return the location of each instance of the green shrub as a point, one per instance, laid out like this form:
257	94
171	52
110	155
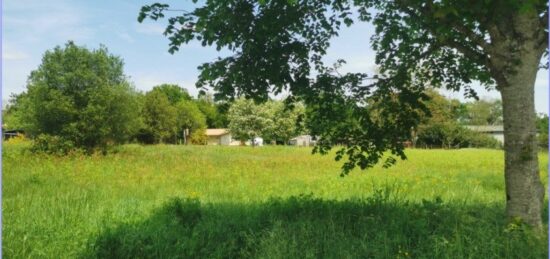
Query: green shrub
451	135
543	140
476	139
542	127
49	144
80	96
198	137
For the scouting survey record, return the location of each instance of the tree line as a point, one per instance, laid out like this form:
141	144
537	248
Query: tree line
80	98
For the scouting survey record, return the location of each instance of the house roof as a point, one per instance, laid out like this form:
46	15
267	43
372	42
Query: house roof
216	132
487	128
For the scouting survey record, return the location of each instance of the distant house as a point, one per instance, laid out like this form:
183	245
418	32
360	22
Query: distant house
303	140
221	137
257	142
495	131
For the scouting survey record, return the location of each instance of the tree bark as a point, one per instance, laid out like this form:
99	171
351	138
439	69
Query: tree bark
524	190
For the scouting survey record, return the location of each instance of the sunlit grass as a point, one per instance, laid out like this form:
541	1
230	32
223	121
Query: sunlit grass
56	207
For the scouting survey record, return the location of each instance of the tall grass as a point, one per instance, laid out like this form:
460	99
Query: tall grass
275	202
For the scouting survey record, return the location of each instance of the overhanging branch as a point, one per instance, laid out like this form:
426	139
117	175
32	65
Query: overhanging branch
428	10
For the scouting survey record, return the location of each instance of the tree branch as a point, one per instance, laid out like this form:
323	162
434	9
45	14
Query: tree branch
474	37
481	58
465	50
428	11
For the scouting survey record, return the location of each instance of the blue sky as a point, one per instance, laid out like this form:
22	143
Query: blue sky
30	27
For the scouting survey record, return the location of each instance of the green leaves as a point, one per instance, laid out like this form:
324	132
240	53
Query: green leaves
348	21
153	11
160	116
248	120
277	46
173	92
286	121
81	96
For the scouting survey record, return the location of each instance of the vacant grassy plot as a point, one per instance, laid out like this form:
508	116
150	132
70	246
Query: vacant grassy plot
268	202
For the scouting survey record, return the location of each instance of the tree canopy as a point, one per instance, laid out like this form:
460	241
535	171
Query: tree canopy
445	125
278	45
171	115
81	96
484	112
160	117
286	121
174	93
190	117
247	120
215	112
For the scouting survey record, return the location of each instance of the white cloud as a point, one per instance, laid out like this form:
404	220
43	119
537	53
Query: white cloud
31	27
9	52
32	22
150	28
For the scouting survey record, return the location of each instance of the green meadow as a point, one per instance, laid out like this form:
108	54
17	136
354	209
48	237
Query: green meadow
168	201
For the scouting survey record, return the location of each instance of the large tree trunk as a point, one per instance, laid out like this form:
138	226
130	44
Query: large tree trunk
524	190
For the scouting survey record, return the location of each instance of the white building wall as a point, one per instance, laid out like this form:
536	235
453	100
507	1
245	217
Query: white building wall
302	141
225	140
498	136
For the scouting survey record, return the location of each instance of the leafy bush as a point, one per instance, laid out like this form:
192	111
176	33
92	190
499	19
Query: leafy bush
78	98
165	121
452	135
198	137
49	144
543	140
476	139
145	136
159	117
542	127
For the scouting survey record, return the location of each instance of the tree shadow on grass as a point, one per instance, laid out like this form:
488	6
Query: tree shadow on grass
305	227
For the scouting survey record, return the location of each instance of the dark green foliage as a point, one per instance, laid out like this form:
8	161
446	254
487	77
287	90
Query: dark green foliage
277	45
443	125
380	226
216	115
453	135
160	118
13	114
167	112
542	127
79	96
189	117
52	145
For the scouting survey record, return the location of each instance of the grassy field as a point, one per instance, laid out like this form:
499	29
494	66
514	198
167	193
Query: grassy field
268	202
